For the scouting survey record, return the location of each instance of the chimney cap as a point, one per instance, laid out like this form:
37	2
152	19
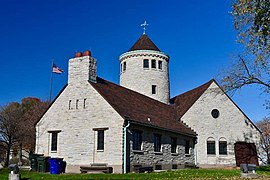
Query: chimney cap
78	54
87	53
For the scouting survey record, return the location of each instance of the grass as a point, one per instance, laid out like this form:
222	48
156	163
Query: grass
179	174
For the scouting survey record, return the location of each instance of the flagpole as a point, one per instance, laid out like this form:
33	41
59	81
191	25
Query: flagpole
51	80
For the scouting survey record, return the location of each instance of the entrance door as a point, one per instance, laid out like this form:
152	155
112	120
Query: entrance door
245	153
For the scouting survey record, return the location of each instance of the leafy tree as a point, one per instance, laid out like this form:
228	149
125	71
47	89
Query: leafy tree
264	145
17	122
252	21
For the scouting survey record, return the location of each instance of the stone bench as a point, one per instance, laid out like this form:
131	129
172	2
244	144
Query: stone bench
98	167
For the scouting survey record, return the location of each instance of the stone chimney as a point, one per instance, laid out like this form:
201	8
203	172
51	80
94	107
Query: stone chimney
82	68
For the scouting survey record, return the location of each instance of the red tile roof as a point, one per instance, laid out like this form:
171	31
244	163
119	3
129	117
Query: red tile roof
184	101
144	43
140	108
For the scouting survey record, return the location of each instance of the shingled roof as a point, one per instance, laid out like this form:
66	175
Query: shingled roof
140	108
184	101
144	43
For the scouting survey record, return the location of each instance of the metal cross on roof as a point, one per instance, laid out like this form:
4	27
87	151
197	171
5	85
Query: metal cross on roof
144	26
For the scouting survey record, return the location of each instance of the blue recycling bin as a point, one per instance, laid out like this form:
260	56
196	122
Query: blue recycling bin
55	165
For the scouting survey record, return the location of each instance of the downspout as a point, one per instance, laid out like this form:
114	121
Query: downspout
195	152
125	147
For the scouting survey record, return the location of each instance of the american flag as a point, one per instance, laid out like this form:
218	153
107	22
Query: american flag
56	69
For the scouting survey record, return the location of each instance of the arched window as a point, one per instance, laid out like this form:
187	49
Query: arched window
222	146
211	146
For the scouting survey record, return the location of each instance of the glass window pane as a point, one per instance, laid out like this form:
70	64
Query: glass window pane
100	141
153	63
145	63
211	147
54	141
223	147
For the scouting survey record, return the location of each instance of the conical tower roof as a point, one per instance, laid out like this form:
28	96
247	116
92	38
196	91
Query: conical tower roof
144	43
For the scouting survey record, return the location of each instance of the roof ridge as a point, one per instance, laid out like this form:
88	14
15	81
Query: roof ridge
183	102
144	43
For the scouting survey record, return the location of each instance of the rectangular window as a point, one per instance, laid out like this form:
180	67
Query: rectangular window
100	140
211	147
121	67
54	135
137	140
157	143
173	144
124	66
145	63
187	146
160	65
154	89
223	147
153	63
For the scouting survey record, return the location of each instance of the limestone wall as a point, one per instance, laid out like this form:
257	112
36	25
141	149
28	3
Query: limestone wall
147	157
77	141
231	125
141	79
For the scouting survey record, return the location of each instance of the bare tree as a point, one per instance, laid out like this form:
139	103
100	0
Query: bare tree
17	125
10	131
252	22
264	145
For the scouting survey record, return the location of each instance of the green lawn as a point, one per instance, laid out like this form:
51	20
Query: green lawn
179	174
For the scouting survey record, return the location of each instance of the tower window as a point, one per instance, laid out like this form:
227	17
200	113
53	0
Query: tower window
153	63
121	67
145	63
160	65
154	89
124	66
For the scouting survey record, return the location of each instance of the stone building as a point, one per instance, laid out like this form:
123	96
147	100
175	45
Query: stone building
136	123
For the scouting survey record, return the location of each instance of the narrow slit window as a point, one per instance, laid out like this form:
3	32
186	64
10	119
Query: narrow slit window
77	102
157	143
69	104
121	66
84	103
173	144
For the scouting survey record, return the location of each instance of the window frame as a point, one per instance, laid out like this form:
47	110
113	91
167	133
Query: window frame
173	145
211	147
136	140
146	63
187	147
100	139
223	147
154	89
160	65
153	64
124	66
54	140
157	143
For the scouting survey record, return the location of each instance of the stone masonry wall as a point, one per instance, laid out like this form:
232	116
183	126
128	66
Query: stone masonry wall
147	156
141	79
231	125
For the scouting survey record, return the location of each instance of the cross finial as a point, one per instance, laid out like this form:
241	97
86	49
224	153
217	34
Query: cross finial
144	26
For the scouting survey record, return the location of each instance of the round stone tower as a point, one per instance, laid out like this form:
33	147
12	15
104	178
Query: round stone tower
145	69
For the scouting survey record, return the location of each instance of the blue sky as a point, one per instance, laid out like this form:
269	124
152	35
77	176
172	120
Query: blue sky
198	36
